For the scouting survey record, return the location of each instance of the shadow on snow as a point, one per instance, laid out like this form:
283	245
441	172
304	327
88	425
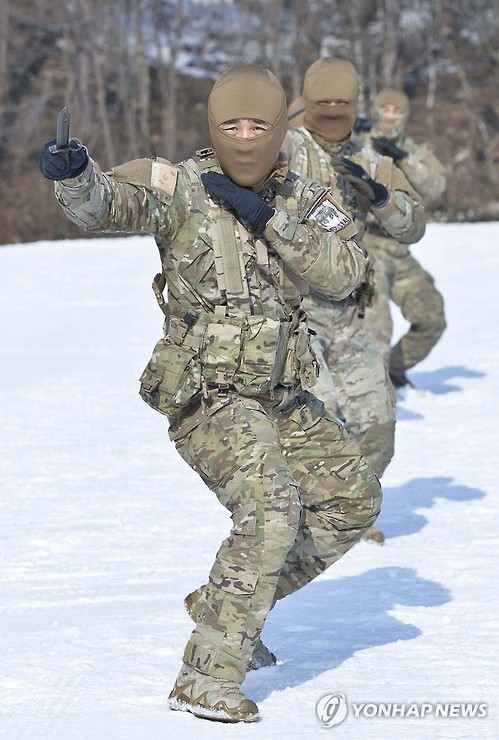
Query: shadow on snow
399	515
324	624
436	381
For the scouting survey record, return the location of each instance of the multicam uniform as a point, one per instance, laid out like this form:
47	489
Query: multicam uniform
399	276
231	373
353	379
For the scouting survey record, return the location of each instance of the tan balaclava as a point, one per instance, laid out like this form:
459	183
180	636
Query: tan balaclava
248	92
296	111
391	125
331	78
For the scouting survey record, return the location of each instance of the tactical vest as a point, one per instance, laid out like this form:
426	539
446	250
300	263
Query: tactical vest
222	344
311	160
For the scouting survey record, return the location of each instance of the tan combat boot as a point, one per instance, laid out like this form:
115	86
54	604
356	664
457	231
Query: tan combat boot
374	535
210	698
261	656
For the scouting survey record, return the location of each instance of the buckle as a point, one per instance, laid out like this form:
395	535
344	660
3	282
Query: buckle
206	152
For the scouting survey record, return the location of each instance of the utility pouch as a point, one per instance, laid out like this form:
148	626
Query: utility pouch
303	357
365	293
171	379
265	343
219	354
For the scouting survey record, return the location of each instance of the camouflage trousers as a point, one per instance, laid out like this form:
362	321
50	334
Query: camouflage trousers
399	277
353	380
300	495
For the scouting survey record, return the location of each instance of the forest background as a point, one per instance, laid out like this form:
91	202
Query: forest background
136	75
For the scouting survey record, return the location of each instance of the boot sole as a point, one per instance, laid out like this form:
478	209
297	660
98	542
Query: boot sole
215	715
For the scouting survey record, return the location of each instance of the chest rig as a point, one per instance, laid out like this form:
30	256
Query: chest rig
253	337
316	161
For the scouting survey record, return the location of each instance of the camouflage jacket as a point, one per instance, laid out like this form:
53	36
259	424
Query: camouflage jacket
402	217
421	167
233	317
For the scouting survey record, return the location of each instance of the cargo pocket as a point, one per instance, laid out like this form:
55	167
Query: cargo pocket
309	413
239	560
171	379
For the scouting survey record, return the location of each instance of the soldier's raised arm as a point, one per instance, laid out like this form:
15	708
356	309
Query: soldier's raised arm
133	198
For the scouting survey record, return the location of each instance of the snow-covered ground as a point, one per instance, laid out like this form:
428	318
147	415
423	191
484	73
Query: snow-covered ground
104	529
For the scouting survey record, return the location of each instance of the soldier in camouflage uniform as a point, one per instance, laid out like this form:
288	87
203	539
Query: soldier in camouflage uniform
240	238
399	276
353	380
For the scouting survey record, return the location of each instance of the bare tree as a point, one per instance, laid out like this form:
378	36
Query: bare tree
136	75
4	47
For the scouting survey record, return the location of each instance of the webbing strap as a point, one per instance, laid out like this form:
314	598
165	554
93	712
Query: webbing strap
318	172
318	164
384	172
227	256
227	249
158	286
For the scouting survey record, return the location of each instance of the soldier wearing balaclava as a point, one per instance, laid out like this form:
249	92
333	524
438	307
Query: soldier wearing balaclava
240	239
401	279
391	111
330	92
296	109
252	93
353	382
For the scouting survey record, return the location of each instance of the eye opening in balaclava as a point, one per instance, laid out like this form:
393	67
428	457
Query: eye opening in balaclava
331	78
253	92
391	125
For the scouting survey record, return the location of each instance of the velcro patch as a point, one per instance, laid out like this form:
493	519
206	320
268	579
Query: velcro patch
329	216
164	177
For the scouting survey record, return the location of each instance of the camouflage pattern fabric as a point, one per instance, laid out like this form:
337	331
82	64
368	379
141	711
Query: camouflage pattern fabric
230	372
295	510
359	390
400	277
421	167
357	387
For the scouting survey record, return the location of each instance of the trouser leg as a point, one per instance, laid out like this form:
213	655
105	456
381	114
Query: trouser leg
422	306
325	388
363	392
378	319
340	495
366	399
237	451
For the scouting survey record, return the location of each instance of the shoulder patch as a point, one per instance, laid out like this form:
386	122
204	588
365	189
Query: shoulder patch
164	177
157	174
330	215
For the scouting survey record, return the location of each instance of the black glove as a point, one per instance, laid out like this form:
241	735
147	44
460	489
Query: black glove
362	124
388	148
356	175
252	210
65	164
